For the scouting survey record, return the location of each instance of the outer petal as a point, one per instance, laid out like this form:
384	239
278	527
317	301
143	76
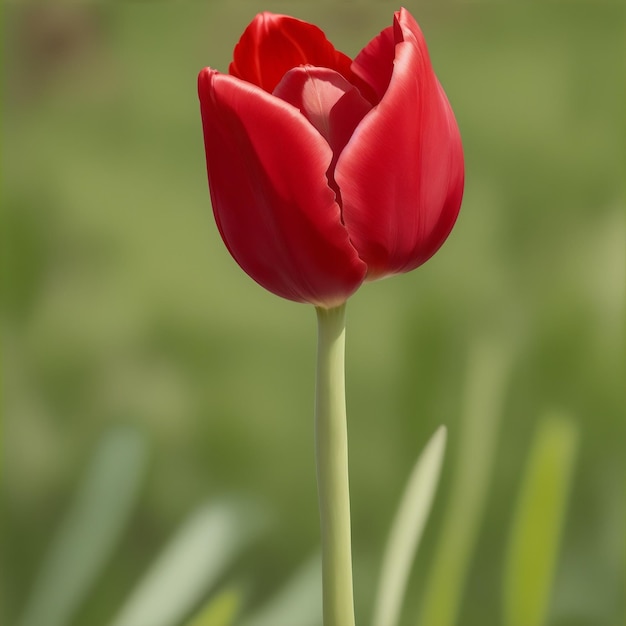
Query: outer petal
271	200
273	44
401	175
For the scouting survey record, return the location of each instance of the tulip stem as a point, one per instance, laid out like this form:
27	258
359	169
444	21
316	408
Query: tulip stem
331	443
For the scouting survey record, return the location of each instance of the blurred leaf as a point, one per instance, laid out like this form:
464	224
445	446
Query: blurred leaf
298	603
199	553
218	611
406	530
90	531
24	245
488	367
538	520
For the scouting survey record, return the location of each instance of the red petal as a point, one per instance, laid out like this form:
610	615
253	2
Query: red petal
332	104
273	44
374	64
271	199
401	175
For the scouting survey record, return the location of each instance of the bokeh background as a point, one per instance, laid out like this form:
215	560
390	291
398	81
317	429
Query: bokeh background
124	316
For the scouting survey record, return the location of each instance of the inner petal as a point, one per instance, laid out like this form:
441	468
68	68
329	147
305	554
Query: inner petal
333	105
374	64
272	44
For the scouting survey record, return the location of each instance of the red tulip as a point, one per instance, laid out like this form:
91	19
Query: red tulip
325	172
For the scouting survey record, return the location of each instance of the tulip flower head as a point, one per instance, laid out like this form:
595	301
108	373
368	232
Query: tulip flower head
324	171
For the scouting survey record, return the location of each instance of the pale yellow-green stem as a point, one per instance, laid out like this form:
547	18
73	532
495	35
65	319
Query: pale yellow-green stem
331	444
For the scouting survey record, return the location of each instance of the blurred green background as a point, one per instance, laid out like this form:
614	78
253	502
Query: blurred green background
122	308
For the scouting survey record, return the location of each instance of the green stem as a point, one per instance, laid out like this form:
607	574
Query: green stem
331	443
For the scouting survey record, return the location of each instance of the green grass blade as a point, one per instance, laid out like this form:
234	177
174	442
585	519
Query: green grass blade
199	553
220	610
407	529
488	370
90	530
537	523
